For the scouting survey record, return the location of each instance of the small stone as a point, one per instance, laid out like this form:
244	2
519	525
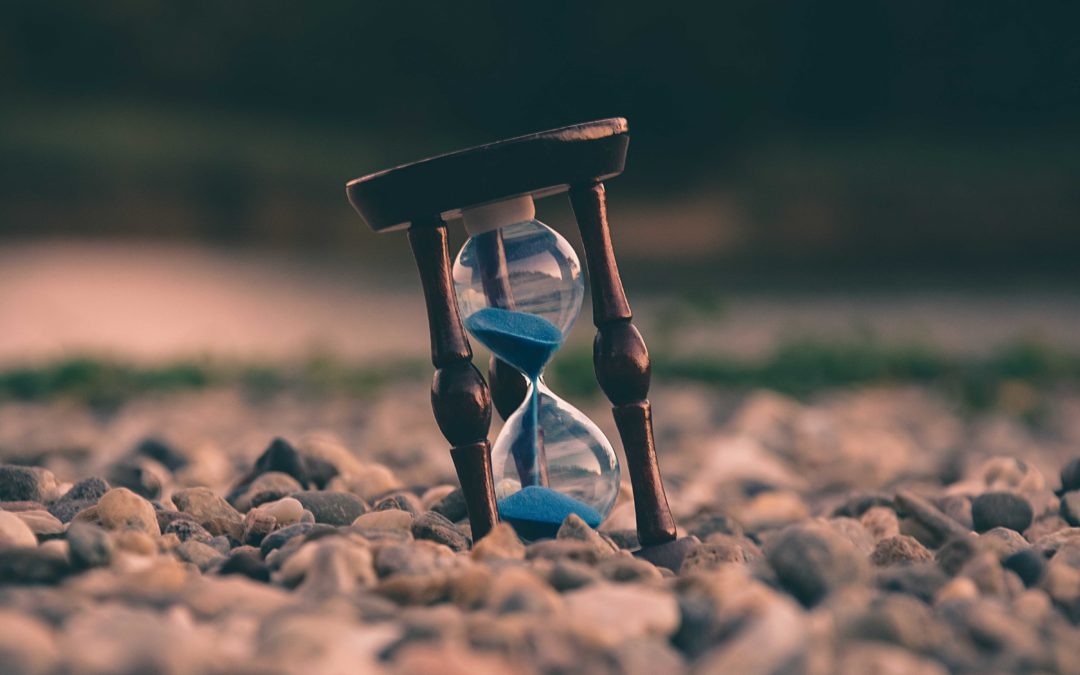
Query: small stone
1002	541
856	505
452	506
576	529
43	524
881	522
82	495
282	457
957	507
562	549
715	522
162	453
210	511
141	475
1027	564
198	554
624	569
120	509
338	567
247	562
926	514
614	613
1070	476
435	495
516	590
1010	473
333	508
26	483
185	528
257	524
389	519
1001	509
38	565
958	588
400	501
501	543
278	538
285	511
433	527
811	560
27	645
772	510
135	542
956	553
1048	545
900	549
370	482
1070	507
267	487
14	532
566	575
626	540
854	532
920	580
720	550
89	545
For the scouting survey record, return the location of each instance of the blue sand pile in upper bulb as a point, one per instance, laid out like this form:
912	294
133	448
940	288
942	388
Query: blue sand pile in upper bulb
525	341
536	512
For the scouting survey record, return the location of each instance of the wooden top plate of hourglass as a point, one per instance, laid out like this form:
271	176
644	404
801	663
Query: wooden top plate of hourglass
539	164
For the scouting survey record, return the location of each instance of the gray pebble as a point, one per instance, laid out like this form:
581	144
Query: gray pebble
89	546
811	560
437	528
1001	509
83	494
1070	507
332	508
401	501
452	506
24	483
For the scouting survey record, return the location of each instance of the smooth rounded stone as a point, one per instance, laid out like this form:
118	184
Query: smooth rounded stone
957	507
626	540
920	580
517	590
1070	475
27	645
400	501
958	589
89	546
210	511
1002	541
285	511
955	553
185	528
388	519
1027	564
42	523
133	541
772	510
574	528
257	524
39	565
141	475
854	532
710	523
82	495
246	562
881	522
198	554
566	575
14	532
452	506
874	657
1070	507
858	503
501	543
433	527
266	487
614	613
720	550
624	569
27	483
332	508
1001	509
811	560
121	509
898	550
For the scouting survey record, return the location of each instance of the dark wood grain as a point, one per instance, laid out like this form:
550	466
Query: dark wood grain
622	366
459	395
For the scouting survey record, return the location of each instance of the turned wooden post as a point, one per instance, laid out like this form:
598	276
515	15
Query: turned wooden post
622	365
459	395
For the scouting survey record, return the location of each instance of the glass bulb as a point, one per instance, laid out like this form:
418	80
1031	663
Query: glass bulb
570	467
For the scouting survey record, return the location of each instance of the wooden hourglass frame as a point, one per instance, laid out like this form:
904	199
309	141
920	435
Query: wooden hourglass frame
422	197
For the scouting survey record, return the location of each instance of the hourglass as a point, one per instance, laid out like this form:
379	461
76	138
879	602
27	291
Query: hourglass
517	287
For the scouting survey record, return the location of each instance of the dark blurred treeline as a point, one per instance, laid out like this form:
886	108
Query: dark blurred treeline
242	119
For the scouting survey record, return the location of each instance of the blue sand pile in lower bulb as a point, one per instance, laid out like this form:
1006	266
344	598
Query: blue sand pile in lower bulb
525	341
536	512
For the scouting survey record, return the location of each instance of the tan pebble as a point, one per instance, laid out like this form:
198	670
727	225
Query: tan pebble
41	522
960	588
501	543
388	519
14	532
134	541
286	510
881	522
121	509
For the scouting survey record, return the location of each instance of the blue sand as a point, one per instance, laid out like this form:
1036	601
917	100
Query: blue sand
537	512
525	341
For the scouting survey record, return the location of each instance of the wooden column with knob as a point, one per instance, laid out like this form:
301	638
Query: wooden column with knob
459	395
622	366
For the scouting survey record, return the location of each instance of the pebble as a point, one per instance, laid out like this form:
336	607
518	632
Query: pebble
161	452
209	510
955	553
929	516
1070	475
719	550
400	501
573	528
257	524
881	522
388	519
26	483
185	528
1001	509
811	560
278	538
433	527
39	565
332	508
1070	507
501	543
285	511
626	569
43	524
120	509
900	549
141	475
771	510
710	523
82	495
566	575
15	532
1027	564
281	457
452	506
246	562
1002	541
857	504
267	487
920	580
198	554
89	546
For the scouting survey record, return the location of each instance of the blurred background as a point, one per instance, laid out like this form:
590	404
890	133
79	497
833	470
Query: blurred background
840	174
